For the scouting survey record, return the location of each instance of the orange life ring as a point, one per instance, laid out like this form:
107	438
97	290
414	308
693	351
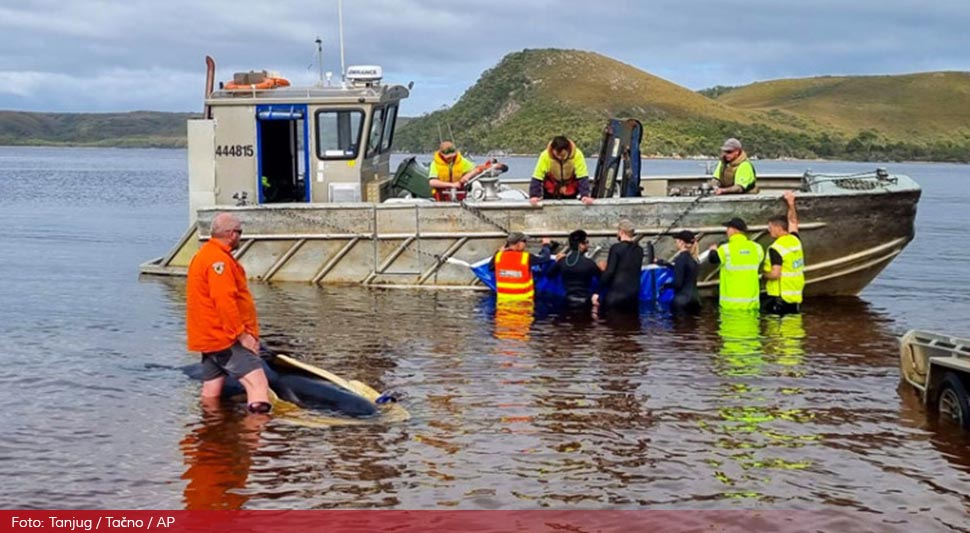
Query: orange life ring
268	83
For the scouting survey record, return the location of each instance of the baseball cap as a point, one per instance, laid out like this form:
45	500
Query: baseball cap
685	235
516	237
737	224
731	144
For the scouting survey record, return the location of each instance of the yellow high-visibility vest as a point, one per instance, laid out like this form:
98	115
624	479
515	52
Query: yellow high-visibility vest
789	287
740	261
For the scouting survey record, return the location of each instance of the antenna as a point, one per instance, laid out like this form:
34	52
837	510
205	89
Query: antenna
340	19
319	60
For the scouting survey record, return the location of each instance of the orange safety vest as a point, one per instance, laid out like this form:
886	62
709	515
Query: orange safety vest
219	307
561	177
513	276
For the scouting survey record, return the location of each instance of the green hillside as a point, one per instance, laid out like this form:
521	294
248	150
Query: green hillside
533	95
927	105
138	128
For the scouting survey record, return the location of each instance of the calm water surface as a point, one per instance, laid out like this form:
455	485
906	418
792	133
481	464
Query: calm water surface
509	410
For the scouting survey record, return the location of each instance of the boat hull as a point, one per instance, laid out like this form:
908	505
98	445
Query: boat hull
849	236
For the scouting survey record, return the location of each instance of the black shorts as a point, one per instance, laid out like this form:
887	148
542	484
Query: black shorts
777	306
234	361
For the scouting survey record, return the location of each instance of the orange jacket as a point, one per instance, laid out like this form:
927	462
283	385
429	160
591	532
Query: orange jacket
219	307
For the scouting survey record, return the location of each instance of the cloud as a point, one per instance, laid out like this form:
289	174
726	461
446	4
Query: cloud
99	55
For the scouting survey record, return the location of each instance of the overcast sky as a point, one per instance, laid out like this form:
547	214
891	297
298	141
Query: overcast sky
101	55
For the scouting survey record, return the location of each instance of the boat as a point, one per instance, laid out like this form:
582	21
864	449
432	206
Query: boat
307	170
937	366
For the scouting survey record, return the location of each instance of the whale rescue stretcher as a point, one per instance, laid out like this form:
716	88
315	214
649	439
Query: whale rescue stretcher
308	395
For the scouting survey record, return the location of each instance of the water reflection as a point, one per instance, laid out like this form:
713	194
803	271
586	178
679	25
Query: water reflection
758	430
513	320
218	454
533	407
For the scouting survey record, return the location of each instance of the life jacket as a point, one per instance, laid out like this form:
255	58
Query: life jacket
740	260
724	173
448	171
792	281
513	276
560	179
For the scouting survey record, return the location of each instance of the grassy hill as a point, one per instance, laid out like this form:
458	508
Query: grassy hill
138	128
932	104
534	94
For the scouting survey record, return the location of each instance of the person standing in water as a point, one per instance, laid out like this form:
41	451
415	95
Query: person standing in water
620	284
221	317
684	266
578	272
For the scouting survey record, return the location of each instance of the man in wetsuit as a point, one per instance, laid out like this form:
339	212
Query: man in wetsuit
620	284
578	272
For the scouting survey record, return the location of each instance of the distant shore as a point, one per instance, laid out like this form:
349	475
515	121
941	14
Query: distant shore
698	158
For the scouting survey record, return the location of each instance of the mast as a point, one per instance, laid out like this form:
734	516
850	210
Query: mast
340	21
319	61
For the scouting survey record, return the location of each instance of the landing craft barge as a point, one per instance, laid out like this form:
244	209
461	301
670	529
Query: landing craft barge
308	171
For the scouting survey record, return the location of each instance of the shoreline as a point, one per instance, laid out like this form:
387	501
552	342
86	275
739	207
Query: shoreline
697	158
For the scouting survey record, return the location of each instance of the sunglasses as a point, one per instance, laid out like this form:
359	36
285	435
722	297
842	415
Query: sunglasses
728	151
449	151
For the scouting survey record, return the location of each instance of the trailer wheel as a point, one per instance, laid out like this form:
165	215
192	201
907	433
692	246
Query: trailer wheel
953	401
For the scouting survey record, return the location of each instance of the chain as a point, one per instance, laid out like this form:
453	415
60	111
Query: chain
312	220
477	212
318	221
683	213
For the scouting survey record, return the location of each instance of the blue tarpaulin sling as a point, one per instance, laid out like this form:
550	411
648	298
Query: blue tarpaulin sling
652	280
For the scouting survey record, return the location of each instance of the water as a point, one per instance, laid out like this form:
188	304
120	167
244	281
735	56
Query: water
509	411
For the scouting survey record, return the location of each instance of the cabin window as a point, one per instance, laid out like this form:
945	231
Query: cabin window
376	129
338	133
389	120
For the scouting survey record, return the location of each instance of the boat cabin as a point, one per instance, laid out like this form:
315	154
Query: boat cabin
262	141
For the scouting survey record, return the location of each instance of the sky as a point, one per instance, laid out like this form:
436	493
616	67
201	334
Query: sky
101	55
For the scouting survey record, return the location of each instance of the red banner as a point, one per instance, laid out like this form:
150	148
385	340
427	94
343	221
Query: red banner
452	521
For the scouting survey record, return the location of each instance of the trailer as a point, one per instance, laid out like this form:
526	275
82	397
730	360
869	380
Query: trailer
938	367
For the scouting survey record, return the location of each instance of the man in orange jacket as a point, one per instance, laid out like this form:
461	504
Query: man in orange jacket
221	317
513	268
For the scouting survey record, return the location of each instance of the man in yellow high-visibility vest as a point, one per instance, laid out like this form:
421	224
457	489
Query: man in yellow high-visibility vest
740	260
784	267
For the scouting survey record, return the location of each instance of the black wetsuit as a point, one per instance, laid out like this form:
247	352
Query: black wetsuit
578	273
684	284
621	281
